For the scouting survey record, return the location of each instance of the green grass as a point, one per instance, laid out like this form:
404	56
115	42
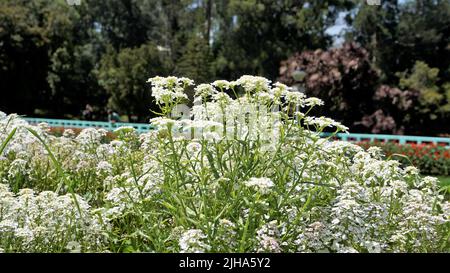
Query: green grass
445	180
445	184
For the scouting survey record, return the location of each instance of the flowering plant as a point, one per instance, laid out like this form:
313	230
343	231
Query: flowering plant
245	171
429	158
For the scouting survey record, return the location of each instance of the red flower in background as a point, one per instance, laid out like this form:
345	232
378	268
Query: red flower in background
428	157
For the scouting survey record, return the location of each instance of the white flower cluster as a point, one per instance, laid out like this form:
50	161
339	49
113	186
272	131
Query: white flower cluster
378	207
23	140
323	122
43	222
254	84
126	190
222	84
166	90
255	116
91	136
104	167
192	241
261	184
187	187
204	90
226	235
268	238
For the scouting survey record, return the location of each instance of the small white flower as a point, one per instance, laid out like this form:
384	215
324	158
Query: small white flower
262	184
162	123
411	170
295	98
375	151
104	167
73	247
192	241
313	102
204	90
254	84
186	81
222	84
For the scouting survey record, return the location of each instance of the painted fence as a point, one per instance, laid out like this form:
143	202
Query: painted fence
401	139
142	128
68	123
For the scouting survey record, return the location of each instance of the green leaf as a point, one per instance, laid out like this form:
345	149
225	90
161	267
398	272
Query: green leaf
7	140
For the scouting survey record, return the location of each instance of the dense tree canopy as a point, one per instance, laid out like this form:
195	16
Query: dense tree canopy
124	74
29	31
55	58
335	76
398	35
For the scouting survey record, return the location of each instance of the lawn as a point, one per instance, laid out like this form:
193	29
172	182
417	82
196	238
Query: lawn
445	184
445	180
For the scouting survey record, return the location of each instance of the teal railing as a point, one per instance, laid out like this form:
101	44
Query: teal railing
110	126
142	128
401	139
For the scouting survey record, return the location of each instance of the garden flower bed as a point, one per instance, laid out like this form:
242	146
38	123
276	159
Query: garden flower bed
247	171
429	158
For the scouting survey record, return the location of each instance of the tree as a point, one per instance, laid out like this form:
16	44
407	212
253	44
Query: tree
28	32
421	106
342	77
394	112
424	35
47	53
399	34
375	28
72	81
126	23
434	99
256	35
124	74
197	61
354	93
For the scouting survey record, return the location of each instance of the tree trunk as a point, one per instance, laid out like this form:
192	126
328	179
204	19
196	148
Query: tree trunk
208	19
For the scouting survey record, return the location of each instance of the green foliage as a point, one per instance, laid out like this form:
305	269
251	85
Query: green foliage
241	191
342	77
28	30
51	53
197	61
71	79
126	23
399	34
258	34
123	76
376	29
434	98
